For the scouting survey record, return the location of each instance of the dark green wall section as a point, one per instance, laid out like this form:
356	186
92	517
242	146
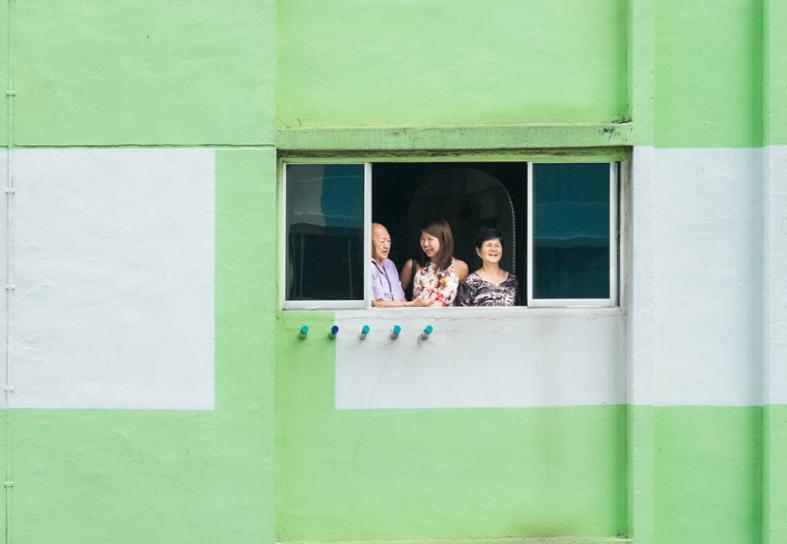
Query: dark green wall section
709	72
451	473
153	72
449	62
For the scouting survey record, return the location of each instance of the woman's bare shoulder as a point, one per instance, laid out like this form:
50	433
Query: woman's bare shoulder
461	268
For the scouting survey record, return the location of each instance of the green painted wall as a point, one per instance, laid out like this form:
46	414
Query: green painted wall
775	76
708	475
205	73
154	72
708	73
458	473
4	53
354	62
775	474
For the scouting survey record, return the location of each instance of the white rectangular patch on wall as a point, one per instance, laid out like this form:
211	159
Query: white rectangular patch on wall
480	359
4	280
113	261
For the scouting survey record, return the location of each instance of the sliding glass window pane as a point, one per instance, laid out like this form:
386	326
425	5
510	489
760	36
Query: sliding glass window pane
325	232
571	229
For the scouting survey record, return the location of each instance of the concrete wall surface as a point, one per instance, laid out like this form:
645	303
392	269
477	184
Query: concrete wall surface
156	391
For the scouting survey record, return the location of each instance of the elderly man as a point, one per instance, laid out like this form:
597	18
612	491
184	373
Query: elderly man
386	287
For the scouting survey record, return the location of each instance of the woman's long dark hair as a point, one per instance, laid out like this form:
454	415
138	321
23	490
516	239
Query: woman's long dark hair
440	229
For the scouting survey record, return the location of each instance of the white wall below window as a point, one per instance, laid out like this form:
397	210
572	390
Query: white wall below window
480	357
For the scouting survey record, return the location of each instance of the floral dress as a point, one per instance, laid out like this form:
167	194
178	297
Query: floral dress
437	286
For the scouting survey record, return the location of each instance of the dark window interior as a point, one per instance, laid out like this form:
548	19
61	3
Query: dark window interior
467	195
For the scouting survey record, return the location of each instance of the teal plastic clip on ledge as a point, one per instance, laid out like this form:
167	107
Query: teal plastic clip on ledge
365	331
303	332
395	332
426	332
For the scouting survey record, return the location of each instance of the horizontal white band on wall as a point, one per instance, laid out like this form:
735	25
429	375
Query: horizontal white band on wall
114	274
4	181
113	263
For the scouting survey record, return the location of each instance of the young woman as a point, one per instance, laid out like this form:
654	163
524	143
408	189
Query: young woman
435	274
490	285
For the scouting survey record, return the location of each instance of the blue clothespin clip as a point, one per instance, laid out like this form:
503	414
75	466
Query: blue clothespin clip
334	332
426	332
365	331
303	332
395	332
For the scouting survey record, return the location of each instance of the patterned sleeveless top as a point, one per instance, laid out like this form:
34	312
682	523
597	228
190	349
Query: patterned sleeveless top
476	291
439	287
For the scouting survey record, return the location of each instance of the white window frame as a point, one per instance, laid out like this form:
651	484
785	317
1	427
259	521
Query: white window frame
617	201
614	169
367	244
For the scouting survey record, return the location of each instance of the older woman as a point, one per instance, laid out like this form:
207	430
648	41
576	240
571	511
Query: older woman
435	274
490	285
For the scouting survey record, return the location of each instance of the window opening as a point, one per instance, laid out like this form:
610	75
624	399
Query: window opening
559	224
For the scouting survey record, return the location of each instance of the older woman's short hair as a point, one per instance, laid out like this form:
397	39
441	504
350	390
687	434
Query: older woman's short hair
486	234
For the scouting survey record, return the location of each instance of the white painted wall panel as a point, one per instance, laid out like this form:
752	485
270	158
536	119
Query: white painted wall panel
3	270
114	266
775	247
639	281
708	292
480	358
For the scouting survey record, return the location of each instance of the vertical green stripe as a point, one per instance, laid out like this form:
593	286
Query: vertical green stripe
641	59
775	89
775	476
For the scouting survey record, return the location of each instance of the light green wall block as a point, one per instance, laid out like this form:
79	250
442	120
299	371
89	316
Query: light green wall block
154	72
447	62
775	472
708	80
7	416
775	35
130	477
4	14
452	473
708	477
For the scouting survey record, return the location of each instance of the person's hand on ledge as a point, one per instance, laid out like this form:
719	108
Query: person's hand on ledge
417	303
